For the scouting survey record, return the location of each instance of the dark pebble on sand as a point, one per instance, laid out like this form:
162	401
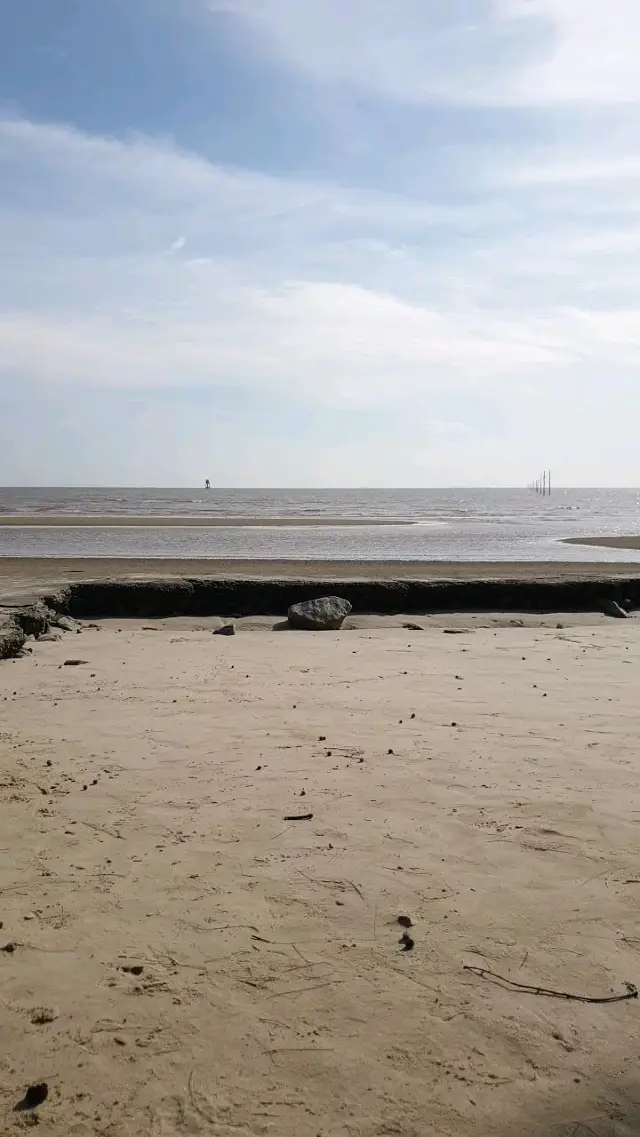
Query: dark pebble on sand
35	1095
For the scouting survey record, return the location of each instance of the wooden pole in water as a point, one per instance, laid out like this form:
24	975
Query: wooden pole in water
549	483
544	483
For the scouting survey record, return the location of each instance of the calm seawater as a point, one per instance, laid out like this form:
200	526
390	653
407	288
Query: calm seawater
452	524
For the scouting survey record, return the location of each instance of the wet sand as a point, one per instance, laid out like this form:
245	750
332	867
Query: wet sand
197	522
630	541
188	960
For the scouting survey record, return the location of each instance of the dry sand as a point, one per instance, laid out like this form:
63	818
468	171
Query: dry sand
187	961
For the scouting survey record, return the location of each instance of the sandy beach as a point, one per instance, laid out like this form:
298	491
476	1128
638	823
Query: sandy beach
180	957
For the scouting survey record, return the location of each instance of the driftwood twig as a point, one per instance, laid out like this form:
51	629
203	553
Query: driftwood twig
529	989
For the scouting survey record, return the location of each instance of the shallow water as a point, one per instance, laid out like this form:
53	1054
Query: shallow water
454	524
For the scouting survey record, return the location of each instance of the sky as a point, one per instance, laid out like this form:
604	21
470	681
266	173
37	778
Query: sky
319	242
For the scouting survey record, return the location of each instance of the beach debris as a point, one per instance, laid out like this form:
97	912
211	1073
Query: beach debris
51	637
42	1015
9	948
456	631
413	627
511	985
326	613
34	1096
407	941
225	630
298	817
75	663
612	608
132	968
405	921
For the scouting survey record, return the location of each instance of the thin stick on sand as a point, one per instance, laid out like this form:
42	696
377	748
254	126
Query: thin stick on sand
528	989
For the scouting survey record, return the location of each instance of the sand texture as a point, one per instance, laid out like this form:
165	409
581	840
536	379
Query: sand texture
187	961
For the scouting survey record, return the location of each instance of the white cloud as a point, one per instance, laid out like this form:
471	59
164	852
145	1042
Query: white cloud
498	51
479	326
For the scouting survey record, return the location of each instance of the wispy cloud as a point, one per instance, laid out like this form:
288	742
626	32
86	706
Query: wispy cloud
536	52
128	317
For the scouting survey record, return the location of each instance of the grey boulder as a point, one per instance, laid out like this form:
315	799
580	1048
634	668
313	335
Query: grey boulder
327	613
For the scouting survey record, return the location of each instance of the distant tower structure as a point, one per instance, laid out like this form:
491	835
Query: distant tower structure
207	484
542	485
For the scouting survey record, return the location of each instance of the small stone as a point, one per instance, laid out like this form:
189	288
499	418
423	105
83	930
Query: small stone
612	608
34	1096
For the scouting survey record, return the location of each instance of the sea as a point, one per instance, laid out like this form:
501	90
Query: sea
390	524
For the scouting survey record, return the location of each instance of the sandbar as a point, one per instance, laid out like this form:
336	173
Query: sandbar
628	541
198	521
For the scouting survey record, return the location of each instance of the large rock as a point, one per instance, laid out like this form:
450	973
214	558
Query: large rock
12	638
324	614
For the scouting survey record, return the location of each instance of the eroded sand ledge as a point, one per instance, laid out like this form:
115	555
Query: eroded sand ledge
228	597
158	598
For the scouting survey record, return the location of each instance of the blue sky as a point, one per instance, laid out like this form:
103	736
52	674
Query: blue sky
276	242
